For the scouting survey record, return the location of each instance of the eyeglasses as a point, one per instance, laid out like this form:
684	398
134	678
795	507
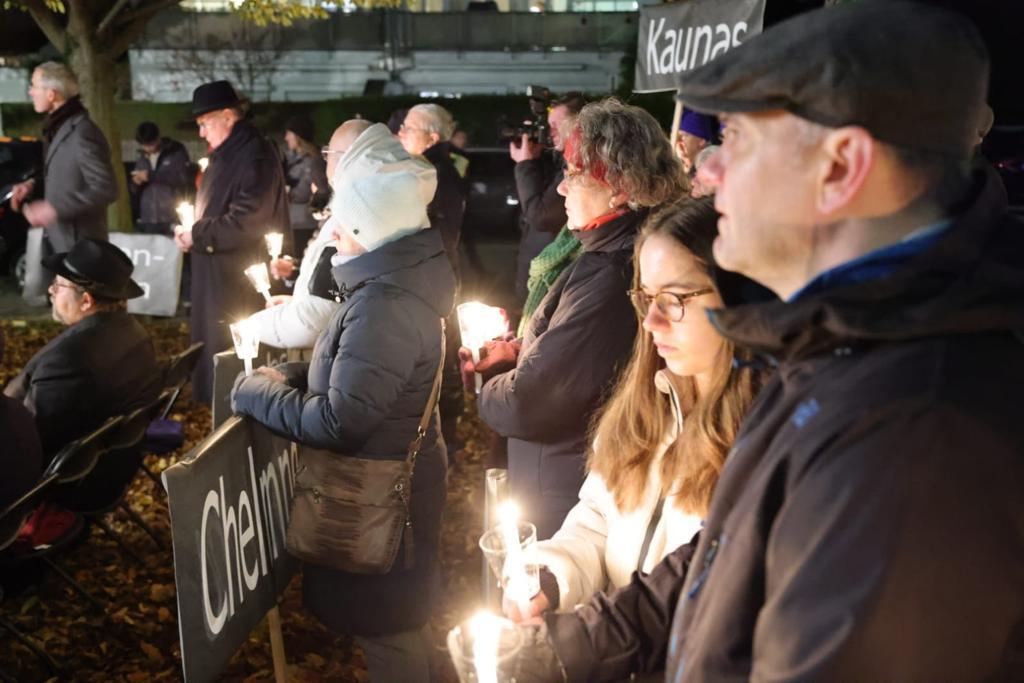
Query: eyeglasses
57	285
574	177
669	304
404	128
327	151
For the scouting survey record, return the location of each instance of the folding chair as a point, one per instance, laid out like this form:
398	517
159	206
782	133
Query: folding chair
12	519
177	374
102	489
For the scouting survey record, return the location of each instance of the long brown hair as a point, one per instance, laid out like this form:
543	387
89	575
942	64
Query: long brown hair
637	417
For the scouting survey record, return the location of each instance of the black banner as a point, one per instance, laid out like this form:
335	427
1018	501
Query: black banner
229	504
682	36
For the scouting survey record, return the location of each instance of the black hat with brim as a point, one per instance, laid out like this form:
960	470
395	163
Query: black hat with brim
98	267
913	75
213	96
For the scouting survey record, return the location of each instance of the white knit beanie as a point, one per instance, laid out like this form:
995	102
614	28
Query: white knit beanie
380	191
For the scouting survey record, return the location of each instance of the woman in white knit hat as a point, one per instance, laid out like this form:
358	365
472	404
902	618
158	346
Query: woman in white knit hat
366	388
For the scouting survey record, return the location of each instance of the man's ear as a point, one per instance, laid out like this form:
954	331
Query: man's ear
434	138
87	303
849	156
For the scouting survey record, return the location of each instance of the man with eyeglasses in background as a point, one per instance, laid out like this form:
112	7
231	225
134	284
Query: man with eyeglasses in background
427	130
294	321
242	197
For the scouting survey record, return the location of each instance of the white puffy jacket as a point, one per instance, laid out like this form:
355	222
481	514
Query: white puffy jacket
297	323
598	546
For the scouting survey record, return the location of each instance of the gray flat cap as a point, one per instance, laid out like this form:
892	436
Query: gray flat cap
914	76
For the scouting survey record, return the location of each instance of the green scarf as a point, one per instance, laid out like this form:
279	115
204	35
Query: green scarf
545	269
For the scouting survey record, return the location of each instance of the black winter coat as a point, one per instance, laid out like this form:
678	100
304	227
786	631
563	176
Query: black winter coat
868	524
103	365
169	183
542	210
301	172
241	198
448	206
364	393
575	345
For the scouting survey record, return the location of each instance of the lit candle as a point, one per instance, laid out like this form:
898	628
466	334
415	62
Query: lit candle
517	583
246	336
259	276
275	243
187	215
480	323
485	629
203	163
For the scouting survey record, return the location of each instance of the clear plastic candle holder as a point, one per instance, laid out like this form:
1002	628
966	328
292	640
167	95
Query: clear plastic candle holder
483	649
259	276
275	244
479	323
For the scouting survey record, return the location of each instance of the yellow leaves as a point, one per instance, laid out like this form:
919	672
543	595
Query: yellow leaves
164	616
161	593
151	651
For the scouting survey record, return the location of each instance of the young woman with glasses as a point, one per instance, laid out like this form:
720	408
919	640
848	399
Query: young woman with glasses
661	440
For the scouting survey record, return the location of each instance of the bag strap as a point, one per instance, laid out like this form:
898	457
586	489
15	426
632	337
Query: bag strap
435	391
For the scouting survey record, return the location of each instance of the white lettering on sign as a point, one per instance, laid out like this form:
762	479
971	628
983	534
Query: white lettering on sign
261	509
674	51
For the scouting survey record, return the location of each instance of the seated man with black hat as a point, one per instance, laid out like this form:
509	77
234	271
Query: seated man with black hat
103	364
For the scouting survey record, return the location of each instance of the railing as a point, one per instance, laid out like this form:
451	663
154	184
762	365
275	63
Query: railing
401	31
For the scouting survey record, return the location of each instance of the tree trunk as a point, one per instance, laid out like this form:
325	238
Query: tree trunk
96	74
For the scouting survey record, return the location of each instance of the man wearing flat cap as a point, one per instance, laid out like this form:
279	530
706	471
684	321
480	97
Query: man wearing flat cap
103	364
242	197
868	524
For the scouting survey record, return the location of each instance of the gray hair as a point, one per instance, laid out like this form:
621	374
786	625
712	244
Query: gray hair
59	78
630	148
704	154
439	119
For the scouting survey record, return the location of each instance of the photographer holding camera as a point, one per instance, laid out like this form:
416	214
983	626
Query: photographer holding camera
538	172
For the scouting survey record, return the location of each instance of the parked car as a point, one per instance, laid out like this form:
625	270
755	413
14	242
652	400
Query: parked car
20	159
490	228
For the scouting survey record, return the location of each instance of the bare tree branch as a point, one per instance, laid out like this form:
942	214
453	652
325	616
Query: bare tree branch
105	22
131	25
48	24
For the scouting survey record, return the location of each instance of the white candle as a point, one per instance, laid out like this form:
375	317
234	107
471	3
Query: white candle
187	215
275	243
246	336
517	584
259	276
203	163
485	629
479	323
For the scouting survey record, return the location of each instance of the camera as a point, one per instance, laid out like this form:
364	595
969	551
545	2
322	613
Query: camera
535	126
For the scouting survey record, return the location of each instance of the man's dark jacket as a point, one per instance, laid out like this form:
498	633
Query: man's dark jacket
241	198
868	524
364	394
170	182
448	206
541	210
575	345
101	366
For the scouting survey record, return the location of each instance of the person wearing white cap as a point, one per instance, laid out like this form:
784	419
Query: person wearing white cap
366	388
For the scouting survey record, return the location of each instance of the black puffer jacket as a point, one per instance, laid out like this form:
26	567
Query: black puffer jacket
364	393
869	524
573	349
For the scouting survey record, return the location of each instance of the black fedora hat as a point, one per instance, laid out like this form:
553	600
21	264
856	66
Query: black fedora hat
213	96
100	268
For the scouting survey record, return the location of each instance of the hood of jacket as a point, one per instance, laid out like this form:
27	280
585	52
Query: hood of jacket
415	263
970	281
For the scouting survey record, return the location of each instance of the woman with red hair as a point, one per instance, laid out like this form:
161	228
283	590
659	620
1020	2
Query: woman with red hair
542	391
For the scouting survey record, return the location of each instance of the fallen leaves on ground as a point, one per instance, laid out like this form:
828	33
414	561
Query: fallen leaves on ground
138	640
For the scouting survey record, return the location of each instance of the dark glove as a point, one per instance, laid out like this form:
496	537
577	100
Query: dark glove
536	661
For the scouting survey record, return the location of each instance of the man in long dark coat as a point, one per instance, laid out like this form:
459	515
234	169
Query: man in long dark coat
241	198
